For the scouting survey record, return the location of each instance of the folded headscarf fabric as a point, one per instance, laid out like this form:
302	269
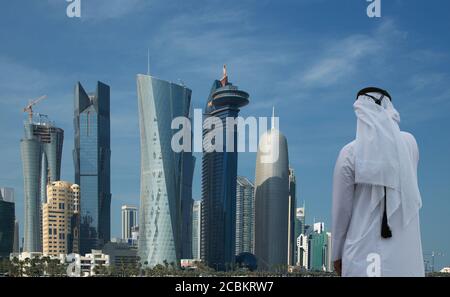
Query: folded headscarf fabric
382	157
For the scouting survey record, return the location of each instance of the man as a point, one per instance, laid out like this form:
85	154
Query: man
376	198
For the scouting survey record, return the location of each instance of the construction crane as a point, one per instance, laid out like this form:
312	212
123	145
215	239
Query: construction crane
29	107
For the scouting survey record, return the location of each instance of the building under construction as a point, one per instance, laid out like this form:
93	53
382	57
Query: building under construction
41	149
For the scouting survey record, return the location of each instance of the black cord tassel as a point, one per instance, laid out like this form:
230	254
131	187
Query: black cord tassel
385	229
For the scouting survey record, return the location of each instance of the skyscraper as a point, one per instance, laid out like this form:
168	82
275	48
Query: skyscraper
299	228
196	228
300	221
318	251
59	236
16	245
41	149
219	171
187	204
245	218
329	262
166	175
272	200
7	218
292	240
7	194
92	157
302	251
129	220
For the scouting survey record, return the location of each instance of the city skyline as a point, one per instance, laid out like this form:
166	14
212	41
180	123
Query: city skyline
305	73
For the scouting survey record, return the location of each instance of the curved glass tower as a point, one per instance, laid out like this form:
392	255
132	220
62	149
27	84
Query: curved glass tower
166	176
92	158
272	202
41	149
219	173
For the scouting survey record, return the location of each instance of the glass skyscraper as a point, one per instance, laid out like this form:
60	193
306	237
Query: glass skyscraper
7	226
41	149
219	171
165	214
245	215
318	251
92	157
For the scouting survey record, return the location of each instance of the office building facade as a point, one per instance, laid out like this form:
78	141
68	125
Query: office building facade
129	217
318	251
92	158
166	176
196	228
245	215
219	174
292	240
59	235
41	150
299	228
7	222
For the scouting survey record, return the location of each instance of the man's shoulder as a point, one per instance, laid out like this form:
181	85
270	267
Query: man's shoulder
348	147
347	150
410	139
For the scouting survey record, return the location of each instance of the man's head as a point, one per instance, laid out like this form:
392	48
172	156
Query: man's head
368	90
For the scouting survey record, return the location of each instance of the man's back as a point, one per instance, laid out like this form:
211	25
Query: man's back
357	218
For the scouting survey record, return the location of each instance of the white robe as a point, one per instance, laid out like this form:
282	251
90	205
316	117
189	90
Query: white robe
356	229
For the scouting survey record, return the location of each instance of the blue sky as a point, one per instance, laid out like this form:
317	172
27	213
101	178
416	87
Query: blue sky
308	58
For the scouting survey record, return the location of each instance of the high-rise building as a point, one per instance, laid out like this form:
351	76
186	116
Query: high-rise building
292	240
302	251
272	200
196	228
129	221
245	215
7	218
16	245
299	228
63	201
329	262
219	173
92	158
7	194
300	221
187	203
166	175
318	251
319	227
41	149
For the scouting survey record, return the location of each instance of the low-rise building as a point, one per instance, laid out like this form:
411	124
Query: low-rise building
83	266
121	253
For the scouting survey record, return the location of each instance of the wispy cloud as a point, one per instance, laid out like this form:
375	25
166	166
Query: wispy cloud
100	10
344	58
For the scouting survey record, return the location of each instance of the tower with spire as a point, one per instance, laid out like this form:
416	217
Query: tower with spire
272	200
219	175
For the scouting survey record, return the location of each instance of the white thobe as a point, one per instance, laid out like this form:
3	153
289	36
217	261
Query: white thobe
356	237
